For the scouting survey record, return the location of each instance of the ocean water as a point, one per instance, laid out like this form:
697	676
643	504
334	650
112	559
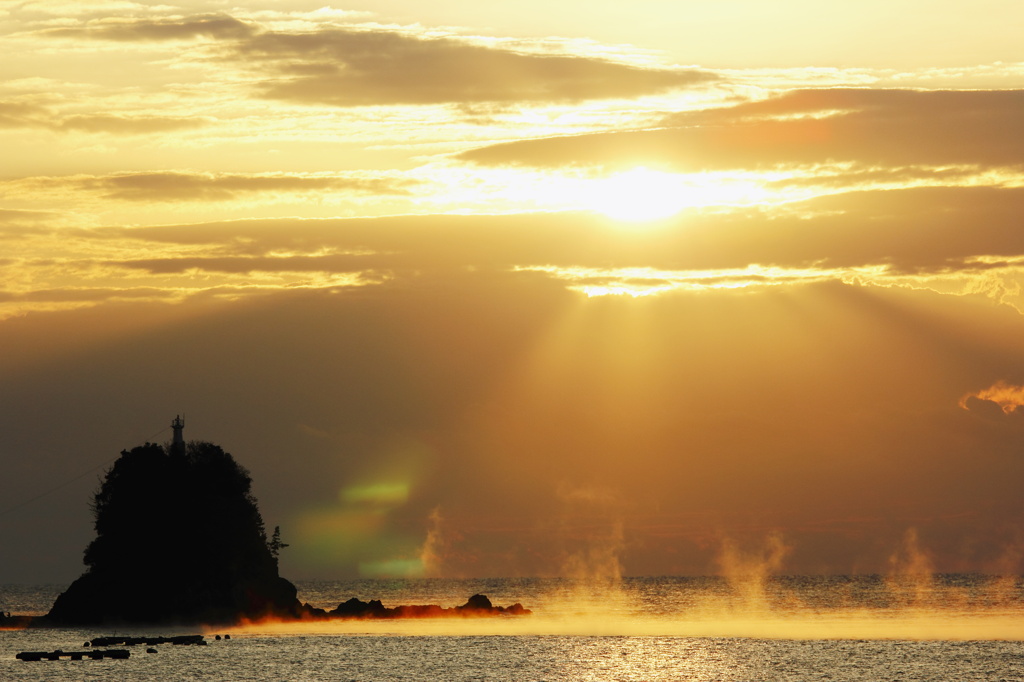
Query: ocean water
950	628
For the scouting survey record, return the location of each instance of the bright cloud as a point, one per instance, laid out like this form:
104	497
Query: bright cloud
1007	396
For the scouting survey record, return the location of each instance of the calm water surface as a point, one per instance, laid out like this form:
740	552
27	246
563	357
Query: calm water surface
864	628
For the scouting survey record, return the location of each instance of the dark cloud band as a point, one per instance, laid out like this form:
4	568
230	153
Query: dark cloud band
870	127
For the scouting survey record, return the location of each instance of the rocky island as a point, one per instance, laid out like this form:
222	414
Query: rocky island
179	539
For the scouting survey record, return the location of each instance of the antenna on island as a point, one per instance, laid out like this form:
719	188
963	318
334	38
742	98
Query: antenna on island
178	442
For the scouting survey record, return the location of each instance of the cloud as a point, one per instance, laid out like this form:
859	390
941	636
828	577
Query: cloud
130	125
349	67
911	231
22	115
850	176
246	264
83	294
929	229
361	65
65	8
868	127
18	222
950	240
214	26
181	186
1008	396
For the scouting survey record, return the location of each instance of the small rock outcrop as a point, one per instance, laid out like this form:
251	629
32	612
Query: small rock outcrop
9	622
477	605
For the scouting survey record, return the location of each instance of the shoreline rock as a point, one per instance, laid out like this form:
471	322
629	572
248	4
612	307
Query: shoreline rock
477	606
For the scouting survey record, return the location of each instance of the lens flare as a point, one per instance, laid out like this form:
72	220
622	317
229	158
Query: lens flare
383	493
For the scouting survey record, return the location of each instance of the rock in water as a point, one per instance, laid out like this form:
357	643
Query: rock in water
179	539
478	602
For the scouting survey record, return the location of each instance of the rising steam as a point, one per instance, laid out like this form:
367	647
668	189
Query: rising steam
911	578
593	549
597	559
747	572
748	599
436	547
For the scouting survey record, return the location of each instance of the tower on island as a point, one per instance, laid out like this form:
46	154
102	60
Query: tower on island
178	442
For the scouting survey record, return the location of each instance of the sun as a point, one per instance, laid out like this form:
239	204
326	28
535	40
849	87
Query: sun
634	196
641	194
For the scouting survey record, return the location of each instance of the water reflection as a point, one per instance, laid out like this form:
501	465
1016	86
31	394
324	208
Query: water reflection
954	607
946	607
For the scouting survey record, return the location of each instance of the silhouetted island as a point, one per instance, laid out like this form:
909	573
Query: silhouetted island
180	540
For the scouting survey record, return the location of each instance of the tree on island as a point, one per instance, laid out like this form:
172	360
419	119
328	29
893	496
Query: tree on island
179	539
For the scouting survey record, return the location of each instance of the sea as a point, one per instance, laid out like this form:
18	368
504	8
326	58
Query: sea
793	628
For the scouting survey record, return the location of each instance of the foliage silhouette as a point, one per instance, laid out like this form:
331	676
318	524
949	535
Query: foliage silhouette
275	545
179	539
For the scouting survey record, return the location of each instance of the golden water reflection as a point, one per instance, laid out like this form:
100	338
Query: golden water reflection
948	608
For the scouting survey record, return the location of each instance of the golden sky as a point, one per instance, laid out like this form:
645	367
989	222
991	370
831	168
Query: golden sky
530	288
